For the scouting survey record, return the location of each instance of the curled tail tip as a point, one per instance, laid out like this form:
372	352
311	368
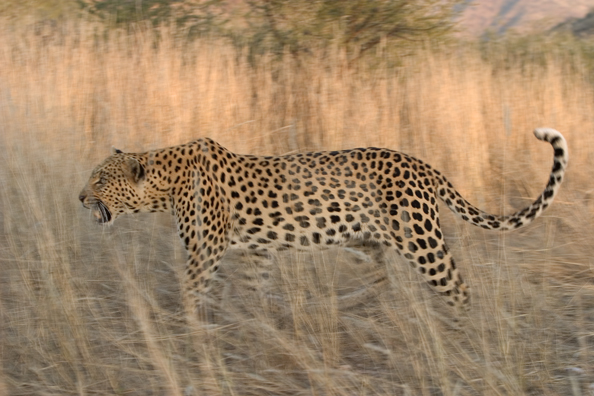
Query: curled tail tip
548	135
556	139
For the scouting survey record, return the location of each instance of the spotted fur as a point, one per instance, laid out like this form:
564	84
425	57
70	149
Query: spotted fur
303	201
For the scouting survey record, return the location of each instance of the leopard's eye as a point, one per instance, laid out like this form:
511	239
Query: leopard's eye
100	181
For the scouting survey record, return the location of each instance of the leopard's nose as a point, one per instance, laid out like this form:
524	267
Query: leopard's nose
82	198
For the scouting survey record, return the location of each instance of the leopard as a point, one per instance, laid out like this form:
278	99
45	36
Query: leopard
305	201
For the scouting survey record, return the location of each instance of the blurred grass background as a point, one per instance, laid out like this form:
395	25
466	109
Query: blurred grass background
92	310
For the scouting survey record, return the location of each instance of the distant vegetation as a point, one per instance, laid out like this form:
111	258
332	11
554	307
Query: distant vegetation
304	27
294	26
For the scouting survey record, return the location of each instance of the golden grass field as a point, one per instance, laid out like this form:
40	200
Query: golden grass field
91	310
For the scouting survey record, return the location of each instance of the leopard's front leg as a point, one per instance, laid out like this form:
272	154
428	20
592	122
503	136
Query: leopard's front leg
203	226
196	283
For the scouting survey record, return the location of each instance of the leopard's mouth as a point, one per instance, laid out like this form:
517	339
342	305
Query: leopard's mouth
101	213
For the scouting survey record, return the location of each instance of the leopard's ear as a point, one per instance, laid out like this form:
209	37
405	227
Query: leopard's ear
133	169
115	151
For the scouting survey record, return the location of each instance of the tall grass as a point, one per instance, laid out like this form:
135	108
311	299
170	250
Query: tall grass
91	310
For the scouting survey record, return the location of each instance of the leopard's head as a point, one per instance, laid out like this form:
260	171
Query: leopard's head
115	187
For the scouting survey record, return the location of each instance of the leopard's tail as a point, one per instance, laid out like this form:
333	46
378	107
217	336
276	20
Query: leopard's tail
477	217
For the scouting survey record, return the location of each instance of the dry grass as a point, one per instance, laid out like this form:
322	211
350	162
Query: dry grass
91	310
